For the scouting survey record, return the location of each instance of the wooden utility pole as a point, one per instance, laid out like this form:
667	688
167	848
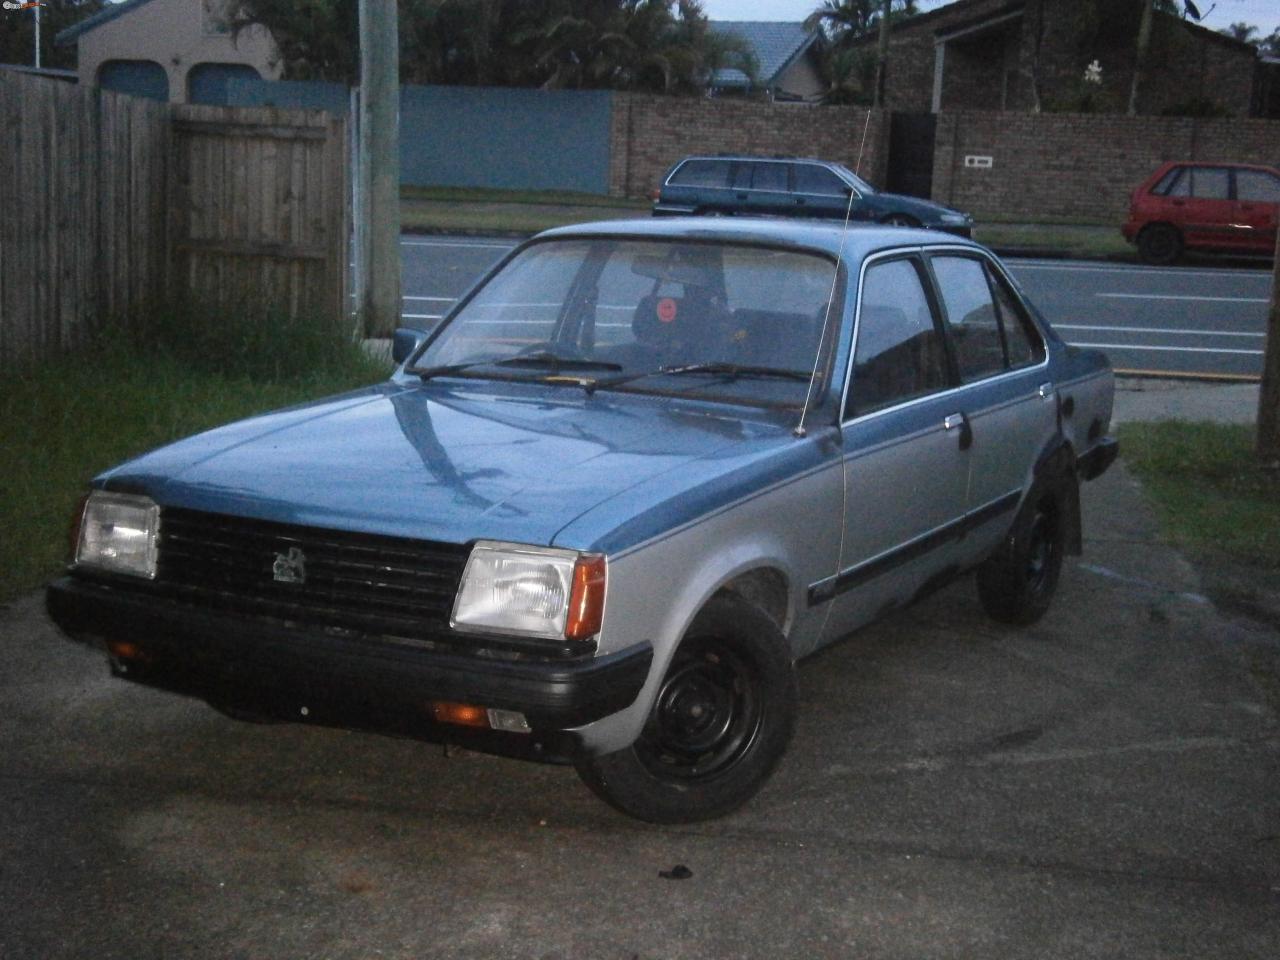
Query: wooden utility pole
1269	397
1140	54
378	170
882	53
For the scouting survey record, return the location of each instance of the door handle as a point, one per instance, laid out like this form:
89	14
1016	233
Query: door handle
1045	391
958	421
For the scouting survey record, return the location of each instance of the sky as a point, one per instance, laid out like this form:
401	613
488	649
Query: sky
1264	14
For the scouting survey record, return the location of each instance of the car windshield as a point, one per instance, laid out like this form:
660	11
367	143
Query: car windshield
724	321
864	188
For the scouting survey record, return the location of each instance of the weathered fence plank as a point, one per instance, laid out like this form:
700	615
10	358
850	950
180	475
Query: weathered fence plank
258	209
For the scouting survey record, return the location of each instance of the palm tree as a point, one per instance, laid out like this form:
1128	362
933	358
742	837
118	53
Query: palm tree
1244	32
844	22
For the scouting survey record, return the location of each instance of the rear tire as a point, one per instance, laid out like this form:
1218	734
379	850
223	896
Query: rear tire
1016	584
899	220
719	725
1160	245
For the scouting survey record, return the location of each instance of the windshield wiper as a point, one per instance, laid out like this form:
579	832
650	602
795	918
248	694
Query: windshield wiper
719	368
735	370
555	362
426	373
543	359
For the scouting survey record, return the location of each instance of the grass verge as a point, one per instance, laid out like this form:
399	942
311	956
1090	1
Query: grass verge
68	419
1074	240
1211	496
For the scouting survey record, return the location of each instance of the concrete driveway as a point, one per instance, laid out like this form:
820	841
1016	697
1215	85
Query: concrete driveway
1102	785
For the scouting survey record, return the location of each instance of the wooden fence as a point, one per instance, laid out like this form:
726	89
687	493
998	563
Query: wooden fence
112	204
257	209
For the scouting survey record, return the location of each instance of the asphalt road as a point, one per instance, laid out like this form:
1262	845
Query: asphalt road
1099	785
1205	320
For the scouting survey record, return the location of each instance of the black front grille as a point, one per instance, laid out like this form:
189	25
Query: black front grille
371	584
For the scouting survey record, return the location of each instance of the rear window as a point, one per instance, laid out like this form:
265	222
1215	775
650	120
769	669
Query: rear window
1254	186
701	173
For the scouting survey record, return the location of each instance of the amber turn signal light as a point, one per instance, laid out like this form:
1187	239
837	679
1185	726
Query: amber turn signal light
460	714
586	600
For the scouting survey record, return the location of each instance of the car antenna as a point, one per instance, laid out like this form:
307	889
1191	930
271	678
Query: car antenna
799	430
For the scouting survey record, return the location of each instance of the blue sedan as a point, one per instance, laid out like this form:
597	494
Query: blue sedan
599	513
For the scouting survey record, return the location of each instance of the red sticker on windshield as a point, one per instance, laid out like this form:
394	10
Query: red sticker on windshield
666	309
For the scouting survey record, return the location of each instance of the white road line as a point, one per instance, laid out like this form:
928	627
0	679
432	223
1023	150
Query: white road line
1168	273
436	299
1169	330
423	316
1130	346
1178	296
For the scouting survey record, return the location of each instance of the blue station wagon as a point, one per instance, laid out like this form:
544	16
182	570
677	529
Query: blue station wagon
599	513
726	185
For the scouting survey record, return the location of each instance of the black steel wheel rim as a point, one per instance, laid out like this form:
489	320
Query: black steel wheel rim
707	714
1041	546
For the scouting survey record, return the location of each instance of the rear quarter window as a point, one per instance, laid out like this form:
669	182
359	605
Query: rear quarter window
701	173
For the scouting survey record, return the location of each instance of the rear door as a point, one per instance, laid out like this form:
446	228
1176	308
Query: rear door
1257	201
1006	399
1200	204
770	192
905	459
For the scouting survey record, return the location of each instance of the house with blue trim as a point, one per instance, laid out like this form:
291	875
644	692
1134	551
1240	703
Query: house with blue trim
181	51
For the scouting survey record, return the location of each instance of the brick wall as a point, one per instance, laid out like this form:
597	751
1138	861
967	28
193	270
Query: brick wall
992	70
1078	167
650	133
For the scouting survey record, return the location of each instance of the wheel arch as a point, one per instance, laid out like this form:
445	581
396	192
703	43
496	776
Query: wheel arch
1055	468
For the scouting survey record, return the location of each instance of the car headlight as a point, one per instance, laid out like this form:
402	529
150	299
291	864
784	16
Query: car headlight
118	534
956	218
543	592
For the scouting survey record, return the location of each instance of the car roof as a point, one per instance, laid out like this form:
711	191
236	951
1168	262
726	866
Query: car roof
1214	163
854	244
737	157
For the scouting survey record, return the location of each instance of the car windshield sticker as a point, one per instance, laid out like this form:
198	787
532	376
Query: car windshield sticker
666	309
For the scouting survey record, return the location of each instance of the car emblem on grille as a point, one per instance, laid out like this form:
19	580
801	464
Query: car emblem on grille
290	567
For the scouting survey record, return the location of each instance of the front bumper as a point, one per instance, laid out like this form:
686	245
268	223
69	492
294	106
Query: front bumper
314	676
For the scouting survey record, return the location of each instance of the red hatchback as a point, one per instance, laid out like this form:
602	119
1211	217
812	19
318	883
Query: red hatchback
1225	207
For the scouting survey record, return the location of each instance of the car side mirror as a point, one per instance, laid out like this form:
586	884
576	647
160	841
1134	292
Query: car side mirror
405	342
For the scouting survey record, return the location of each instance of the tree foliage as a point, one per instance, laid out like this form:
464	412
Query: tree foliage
17	39
848	66
658	45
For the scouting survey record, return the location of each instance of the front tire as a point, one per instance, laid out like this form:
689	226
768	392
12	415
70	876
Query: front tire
1016	585
720	723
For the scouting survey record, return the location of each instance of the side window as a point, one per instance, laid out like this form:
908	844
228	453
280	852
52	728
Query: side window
1020	335
899	353
1210	183
971	316
769	176
1166	183
1254	186
702	173
813	179
1180	185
